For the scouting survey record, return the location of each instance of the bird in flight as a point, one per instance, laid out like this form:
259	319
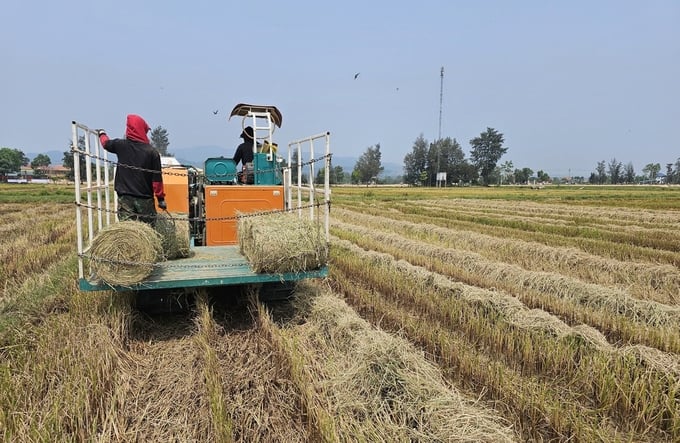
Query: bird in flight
216	111
356	75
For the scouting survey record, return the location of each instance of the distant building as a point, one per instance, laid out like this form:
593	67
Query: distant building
26	174
57	172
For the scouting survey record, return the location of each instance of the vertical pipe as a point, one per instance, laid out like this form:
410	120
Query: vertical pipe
107	183
88	187
76	179
290	179
327	185
299	179
100	215
312	179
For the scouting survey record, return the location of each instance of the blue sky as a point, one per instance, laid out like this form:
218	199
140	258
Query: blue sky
568	83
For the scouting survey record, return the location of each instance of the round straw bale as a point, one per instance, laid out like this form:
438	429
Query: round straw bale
124	253
174	232
279	243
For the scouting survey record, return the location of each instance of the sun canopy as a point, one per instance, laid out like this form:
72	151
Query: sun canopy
242	109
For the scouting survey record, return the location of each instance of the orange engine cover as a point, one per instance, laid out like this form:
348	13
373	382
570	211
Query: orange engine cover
228	201
176	186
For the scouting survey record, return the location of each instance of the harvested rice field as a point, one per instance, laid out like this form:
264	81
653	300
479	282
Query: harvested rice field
479	315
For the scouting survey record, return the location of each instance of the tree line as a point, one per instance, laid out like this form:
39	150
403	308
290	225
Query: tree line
425	165
616	172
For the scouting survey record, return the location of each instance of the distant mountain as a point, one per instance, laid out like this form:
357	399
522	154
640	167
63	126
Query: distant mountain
197	155
347	163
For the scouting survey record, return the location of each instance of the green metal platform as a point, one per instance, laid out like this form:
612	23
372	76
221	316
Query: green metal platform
207	266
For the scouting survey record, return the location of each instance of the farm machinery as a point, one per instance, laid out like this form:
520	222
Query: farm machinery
212	199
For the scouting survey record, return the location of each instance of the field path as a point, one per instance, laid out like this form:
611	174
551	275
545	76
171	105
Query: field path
162	388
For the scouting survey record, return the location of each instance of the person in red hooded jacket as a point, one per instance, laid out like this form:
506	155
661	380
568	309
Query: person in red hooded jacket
138	177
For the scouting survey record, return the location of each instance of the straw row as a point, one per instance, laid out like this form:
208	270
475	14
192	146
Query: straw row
366	385
516	279
664	241
599	247
648	235
529	341
621	216
646	279
614	325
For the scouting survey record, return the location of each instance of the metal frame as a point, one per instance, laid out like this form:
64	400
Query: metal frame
97	190
309	190
96	203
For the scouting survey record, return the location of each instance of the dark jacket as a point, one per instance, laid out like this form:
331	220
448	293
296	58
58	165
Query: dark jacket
135	151
244	152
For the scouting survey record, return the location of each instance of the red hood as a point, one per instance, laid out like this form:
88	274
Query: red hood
136	129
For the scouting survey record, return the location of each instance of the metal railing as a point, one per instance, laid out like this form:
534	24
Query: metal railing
306	190
95	188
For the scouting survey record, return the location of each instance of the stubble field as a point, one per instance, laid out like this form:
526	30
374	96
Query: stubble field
449	315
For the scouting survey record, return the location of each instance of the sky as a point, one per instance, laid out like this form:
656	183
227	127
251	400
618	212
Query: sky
567	83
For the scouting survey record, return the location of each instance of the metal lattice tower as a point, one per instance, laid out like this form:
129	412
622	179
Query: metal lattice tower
441	100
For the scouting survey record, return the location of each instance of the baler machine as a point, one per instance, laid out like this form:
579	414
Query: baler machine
212	199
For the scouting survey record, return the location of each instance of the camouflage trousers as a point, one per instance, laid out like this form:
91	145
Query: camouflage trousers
136	208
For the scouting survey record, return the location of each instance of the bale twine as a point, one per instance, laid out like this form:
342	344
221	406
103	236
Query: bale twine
174	232
124	253
279	243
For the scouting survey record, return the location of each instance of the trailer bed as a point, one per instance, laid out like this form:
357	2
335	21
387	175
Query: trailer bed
207	266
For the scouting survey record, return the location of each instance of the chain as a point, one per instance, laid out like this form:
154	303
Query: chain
231	217
181	174
158	264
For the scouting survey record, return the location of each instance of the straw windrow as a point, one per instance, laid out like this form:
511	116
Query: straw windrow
376	386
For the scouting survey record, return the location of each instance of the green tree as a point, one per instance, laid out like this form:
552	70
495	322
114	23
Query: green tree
40	163
487	149
337	175
422	164
601	176
543	176
448	156
615	172
368	167
159	140
629	173
415	162
651	170
506	171
11	160
469	173
523	175
67	160
676	173
670	174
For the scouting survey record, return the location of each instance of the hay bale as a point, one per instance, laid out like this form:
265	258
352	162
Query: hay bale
278	243
124	253
174	232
